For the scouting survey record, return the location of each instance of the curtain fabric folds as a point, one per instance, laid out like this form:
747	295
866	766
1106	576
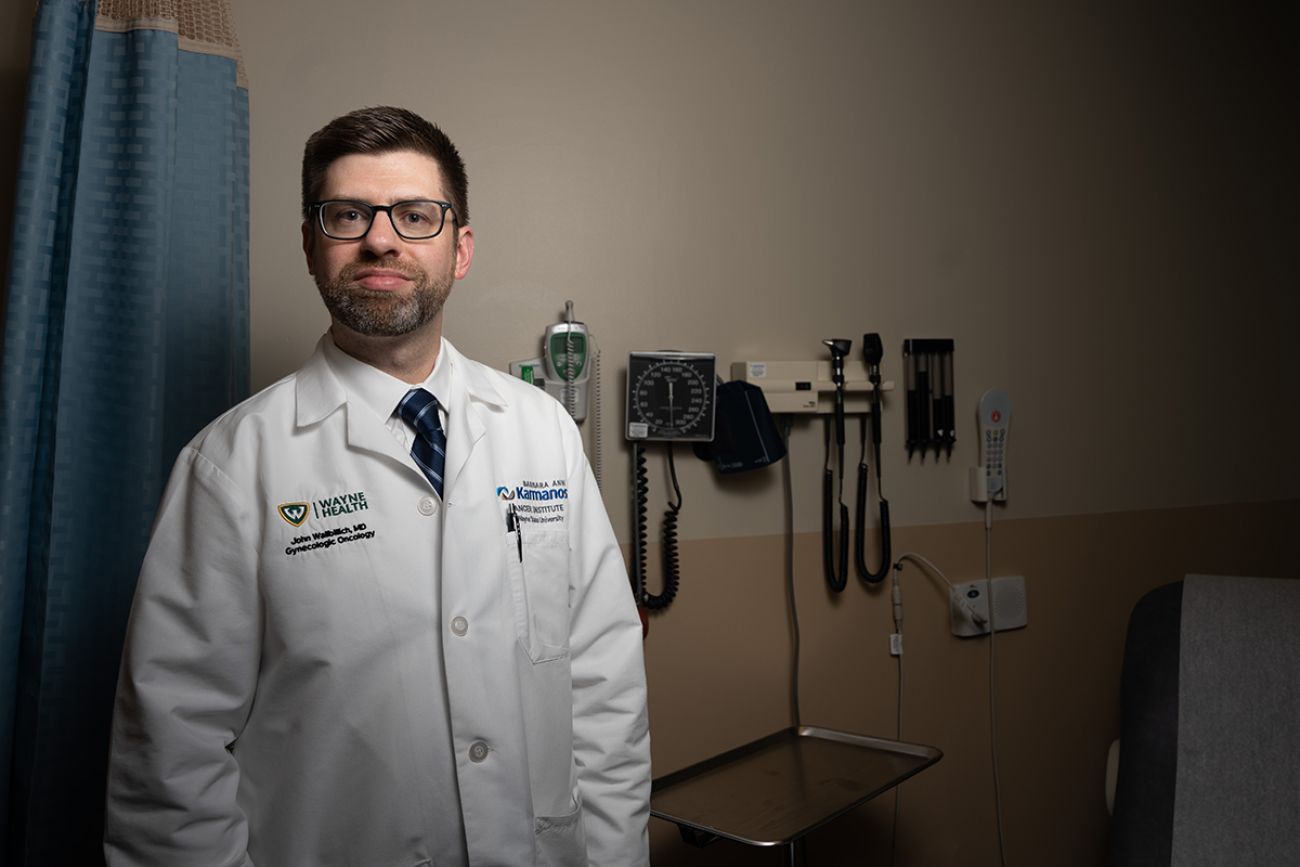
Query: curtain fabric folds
126	330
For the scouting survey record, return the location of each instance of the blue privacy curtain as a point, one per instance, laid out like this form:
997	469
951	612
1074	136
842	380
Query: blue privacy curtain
126	329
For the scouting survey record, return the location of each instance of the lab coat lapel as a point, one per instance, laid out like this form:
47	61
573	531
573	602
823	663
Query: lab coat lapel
319	394
472	398
365	434
465	428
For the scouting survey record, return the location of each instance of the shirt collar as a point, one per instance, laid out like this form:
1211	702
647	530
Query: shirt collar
380	392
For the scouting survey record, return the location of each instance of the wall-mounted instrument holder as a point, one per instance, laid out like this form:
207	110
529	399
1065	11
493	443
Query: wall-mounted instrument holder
931	419
806	387
835	388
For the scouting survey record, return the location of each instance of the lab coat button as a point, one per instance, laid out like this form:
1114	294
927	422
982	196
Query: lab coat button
428	506
459	625
478	751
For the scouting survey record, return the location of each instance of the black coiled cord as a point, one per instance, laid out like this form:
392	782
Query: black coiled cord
641	490
671	562
836	578
859	539
645	598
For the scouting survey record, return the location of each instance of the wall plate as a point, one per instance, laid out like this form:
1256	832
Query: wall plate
968	604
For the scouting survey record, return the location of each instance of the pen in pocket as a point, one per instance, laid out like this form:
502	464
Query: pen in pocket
512	526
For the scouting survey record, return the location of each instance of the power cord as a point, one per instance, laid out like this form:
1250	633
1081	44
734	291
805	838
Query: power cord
993	715
789	572
897	595
960	600
934	571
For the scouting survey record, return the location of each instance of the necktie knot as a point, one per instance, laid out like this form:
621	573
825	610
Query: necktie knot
419	409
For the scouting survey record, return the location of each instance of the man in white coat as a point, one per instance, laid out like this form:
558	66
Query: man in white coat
344	654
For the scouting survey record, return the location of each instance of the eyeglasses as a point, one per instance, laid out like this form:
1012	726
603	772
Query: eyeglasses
416	220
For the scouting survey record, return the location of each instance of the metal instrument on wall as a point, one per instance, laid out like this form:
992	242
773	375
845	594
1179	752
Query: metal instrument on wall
931	416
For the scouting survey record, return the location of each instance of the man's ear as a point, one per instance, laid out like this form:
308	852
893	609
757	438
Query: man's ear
309	246
464	251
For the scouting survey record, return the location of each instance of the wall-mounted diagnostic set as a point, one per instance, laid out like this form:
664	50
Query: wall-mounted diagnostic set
670	398
837	387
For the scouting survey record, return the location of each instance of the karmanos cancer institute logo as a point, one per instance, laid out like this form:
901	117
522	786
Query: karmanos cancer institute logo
505	493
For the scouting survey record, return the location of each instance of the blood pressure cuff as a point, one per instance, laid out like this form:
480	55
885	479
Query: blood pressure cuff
745	436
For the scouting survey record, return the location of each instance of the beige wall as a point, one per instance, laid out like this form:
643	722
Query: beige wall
1093	203
1097	204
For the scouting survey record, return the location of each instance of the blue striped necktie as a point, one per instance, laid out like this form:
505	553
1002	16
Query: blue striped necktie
419	409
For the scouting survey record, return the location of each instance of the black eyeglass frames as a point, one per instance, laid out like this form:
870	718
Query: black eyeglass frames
414	220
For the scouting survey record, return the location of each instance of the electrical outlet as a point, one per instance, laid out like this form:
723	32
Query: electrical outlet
968	606
968	609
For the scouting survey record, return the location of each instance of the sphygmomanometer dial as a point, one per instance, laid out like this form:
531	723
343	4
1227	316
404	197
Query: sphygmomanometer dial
670	396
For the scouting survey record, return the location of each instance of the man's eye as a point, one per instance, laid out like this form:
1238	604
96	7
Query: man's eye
342	215
417	216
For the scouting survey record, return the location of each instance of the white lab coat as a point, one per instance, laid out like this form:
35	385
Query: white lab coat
279	696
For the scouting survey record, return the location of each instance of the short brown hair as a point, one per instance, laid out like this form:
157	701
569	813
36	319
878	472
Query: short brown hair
378	130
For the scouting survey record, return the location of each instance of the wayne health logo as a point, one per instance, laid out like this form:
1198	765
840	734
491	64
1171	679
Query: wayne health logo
296	514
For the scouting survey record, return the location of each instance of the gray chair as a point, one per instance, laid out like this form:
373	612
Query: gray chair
1208	772
1143	814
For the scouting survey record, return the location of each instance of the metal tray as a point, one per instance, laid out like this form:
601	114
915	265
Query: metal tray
772	791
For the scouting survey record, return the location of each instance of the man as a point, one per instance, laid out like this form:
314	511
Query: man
374	629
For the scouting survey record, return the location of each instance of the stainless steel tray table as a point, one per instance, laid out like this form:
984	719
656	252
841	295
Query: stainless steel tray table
773	791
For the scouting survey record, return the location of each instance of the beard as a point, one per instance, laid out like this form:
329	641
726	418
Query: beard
385	314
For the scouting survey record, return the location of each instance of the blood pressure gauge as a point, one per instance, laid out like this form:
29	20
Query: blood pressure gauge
670	396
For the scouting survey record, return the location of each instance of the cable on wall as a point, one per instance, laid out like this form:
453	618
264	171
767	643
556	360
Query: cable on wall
993	716
934	571
897	596
789	573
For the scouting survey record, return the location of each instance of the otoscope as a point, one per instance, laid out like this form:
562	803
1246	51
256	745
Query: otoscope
839	349
874	351
835	577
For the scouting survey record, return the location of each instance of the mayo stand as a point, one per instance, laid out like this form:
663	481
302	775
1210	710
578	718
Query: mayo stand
775	790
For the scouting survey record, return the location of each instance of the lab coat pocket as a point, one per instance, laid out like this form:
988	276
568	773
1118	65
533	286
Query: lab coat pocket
538	564
561	840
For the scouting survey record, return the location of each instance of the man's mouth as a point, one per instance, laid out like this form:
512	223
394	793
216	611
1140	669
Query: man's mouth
381	279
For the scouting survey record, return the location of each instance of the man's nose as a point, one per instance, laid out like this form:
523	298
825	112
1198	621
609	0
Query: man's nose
382	238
